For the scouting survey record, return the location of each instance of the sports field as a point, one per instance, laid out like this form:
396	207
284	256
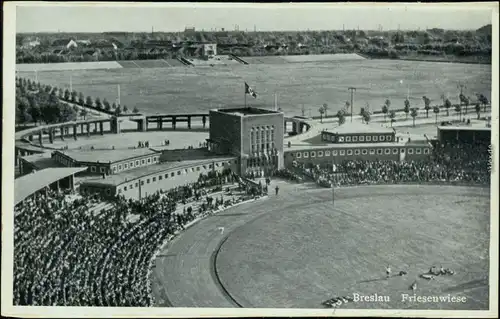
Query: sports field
297	249
309	85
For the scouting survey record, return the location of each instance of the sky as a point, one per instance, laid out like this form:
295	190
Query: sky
262	17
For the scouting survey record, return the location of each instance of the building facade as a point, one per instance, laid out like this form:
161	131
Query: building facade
256	136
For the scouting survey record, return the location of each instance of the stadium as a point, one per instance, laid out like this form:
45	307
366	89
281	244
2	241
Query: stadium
259	209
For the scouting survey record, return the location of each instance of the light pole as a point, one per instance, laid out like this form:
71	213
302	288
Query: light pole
352	90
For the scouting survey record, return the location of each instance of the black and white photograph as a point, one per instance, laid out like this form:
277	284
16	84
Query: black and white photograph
250	159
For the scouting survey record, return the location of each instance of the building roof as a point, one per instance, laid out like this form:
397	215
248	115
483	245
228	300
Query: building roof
243	111
356	127
28	184
130	175
106	156
464	128
41	161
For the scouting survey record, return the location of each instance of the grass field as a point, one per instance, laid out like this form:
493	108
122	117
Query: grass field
192	89
308	253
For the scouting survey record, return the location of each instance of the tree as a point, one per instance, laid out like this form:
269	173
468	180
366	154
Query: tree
106	104
392	116
436	111
347	106
362	112
427	105
74	97
81	99
325	108
125	109
447	106
321	111
385	110
98	103
89	101
83	113
67	95
466	104
478	110
114	105
407	107
341	116
388	103
458	109
135	110
483	100
118	110
414	114
367	117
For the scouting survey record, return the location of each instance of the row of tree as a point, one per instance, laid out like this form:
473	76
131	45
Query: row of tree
465	102
38	103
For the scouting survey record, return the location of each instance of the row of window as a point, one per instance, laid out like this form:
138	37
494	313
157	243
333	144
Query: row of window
379	151
361	138
137	163
172	174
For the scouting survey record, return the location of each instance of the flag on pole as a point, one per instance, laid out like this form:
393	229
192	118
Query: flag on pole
249	90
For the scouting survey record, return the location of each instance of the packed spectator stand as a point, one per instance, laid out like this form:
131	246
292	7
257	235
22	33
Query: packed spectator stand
68	253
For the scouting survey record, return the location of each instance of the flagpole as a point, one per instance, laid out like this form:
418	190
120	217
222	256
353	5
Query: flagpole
119	100
245	95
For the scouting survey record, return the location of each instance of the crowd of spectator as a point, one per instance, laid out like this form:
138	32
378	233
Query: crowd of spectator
67	252
452	163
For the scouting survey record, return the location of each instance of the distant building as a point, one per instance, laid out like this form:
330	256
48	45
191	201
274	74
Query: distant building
209	49
64	43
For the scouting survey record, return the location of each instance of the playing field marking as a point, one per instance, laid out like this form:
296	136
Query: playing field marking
136	64
166	62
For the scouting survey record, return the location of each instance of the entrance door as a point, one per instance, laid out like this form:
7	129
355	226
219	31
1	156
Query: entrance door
402	154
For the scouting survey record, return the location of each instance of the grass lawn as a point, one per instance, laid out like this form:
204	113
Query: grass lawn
310	252
192	89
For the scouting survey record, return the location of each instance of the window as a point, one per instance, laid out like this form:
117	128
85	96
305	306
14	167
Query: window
342	153
299	154
327	153
172	174
379	151
108	191
119	190
368	138
149	160
198	168
375	138
382	138
185	170
120	167
349	152
356	152
364	151
125	188
148	181
410	151
354	138
102	169
92	169
395	151
114	169
372	151
142	182
388	138
387	151
418	151
402	150
131	164
136	163
155	159
320	153
306	155
341	139
426	151
313	154
125	165
136	184
154	179
217	164
362	138
347	138
210	165
192	169
143	162
334	153
131	186
179	172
